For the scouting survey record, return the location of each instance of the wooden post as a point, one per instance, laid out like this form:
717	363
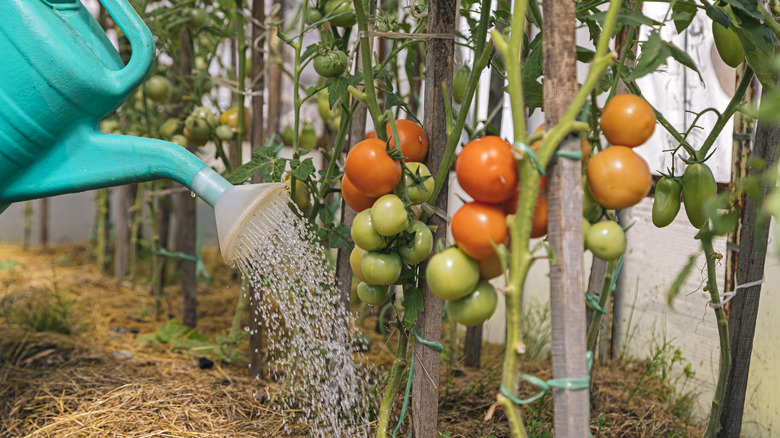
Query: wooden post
257	137
567	302
186	215
753	237
439	66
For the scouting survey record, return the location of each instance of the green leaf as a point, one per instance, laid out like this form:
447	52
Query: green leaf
682	14
717	14
747	6
683	58
625	17
653	54
394	100
246	170
6	265
759	48
336	87
326	216
533	94
585	55
170	331
674	289
312	49
533	65
413	303
303	170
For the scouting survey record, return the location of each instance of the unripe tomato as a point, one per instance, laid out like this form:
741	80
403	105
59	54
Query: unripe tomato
230	118
381	268
179	140
417	192
585	229
323	107
313	15
109	125
591	209
486	170
618	178
627	120
419	245
388	215
475	225
372	294
490	267
476	307
356	261
370	169
157	88
331	63
195	139
354	298
169	127
728	45
302	193
341	11
697	188
666	203
308	138
353	198
288	135
460	82
606	240
196	18
412	138
451	274
363	233
224	132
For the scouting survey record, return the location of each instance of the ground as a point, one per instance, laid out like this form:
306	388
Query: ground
90	376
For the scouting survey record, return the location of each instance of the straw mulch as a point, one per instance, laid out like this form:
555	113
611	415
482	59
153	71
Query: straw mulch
98	381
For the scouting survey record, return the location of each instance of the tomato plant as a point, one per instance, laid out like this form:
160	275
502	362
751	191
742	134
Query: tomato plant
371	170
157	88
331	63
417	192
412	139
606	240
475	225
476	307
451	274
627	120
341	13
618	178
486	170
381	268
666	203
697	188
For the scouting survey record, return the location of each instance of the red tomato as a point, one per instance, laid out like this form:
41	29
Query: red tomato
618	178
371	170
486	170
539	223
354	199
414	142
475	225
627	120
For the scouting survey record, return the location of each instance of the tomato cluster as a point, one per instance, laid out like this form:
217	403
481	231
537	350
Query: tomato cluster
382	190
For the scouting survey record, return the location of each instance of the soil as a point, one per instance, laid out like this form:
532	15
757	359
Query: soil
95	379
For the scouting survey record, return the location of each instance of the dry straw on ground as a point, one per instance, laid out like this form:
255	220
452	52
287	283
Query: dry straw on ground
99	382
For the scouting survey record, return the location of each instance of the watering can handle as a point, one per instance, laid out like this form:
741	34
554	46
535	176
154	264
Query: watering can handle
141	41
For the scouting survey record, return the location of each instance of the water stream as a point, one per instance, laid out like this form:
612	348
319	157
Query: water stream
309	338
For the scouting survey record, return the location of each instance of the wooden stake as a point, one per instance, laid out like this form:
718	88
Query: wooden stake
439	66
567	302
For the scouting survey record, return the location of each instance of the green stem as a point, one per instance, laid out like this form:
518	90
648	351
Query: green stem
393	383
240	307
368	70
769	20
297	101
241	43
713	425
594	323
731	108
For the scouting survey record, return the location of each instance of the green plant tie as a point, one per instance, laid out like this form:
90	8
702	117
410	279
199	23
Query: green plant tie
200	268
436	346
593	300
568	383
571	155
530	153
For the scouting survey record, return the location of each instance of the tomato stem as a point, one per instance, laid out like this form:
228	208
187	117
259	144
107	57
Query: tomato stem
393	383
241	49
594	323
368	70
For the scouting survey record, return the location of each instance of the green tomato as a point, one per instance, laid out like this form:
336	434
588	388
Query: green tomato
591	209
372	294
585	229
224	132
196	18
388	215
341	11
157	88
355	262
323	106
419	245
108	125
179	140
313	15
200	64
354	298
302	193
364	234
418	193
308	137
606	240
697	188
476	307
288	135
666	203
331	63
381	268
728	45
169	128
451	274
460	83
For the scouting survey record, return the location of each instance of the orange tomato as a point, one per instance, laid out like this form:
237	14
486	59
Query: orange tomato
370	169
370	134
539	221
353	198
475	225
490	267
486	170
627	120
618	178
414	142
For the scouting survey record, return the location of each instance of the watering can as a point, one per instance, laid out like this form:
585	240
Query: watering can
59	75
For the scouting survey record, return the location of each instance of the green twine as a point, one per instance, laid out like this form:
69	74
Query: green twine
593	300
436	346
530	153
200	268
568	383
571	155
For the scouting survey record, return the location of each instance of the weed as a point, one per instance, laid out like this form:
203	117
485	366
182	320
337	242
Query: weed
185	339
536	331
45	311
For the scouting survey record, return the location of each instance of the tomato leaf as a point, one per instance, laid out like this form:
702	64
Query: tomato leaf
303	170
533	94
653	55
413	303
336	87
747	6
674	289
717	14
312	49
585	55
532	67
683	58
759	47
682	14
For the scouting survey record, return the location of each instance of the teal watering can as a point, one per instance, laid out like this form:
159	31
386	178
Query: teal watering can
58	77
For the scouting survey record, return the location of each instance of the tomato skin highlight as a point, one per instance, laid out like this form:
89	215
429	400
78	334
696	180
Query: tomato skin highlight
698	186
606	240
451	274
476	307
627	120
371	170
412	138
666	203
486	170
475	225
353	198
618	178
